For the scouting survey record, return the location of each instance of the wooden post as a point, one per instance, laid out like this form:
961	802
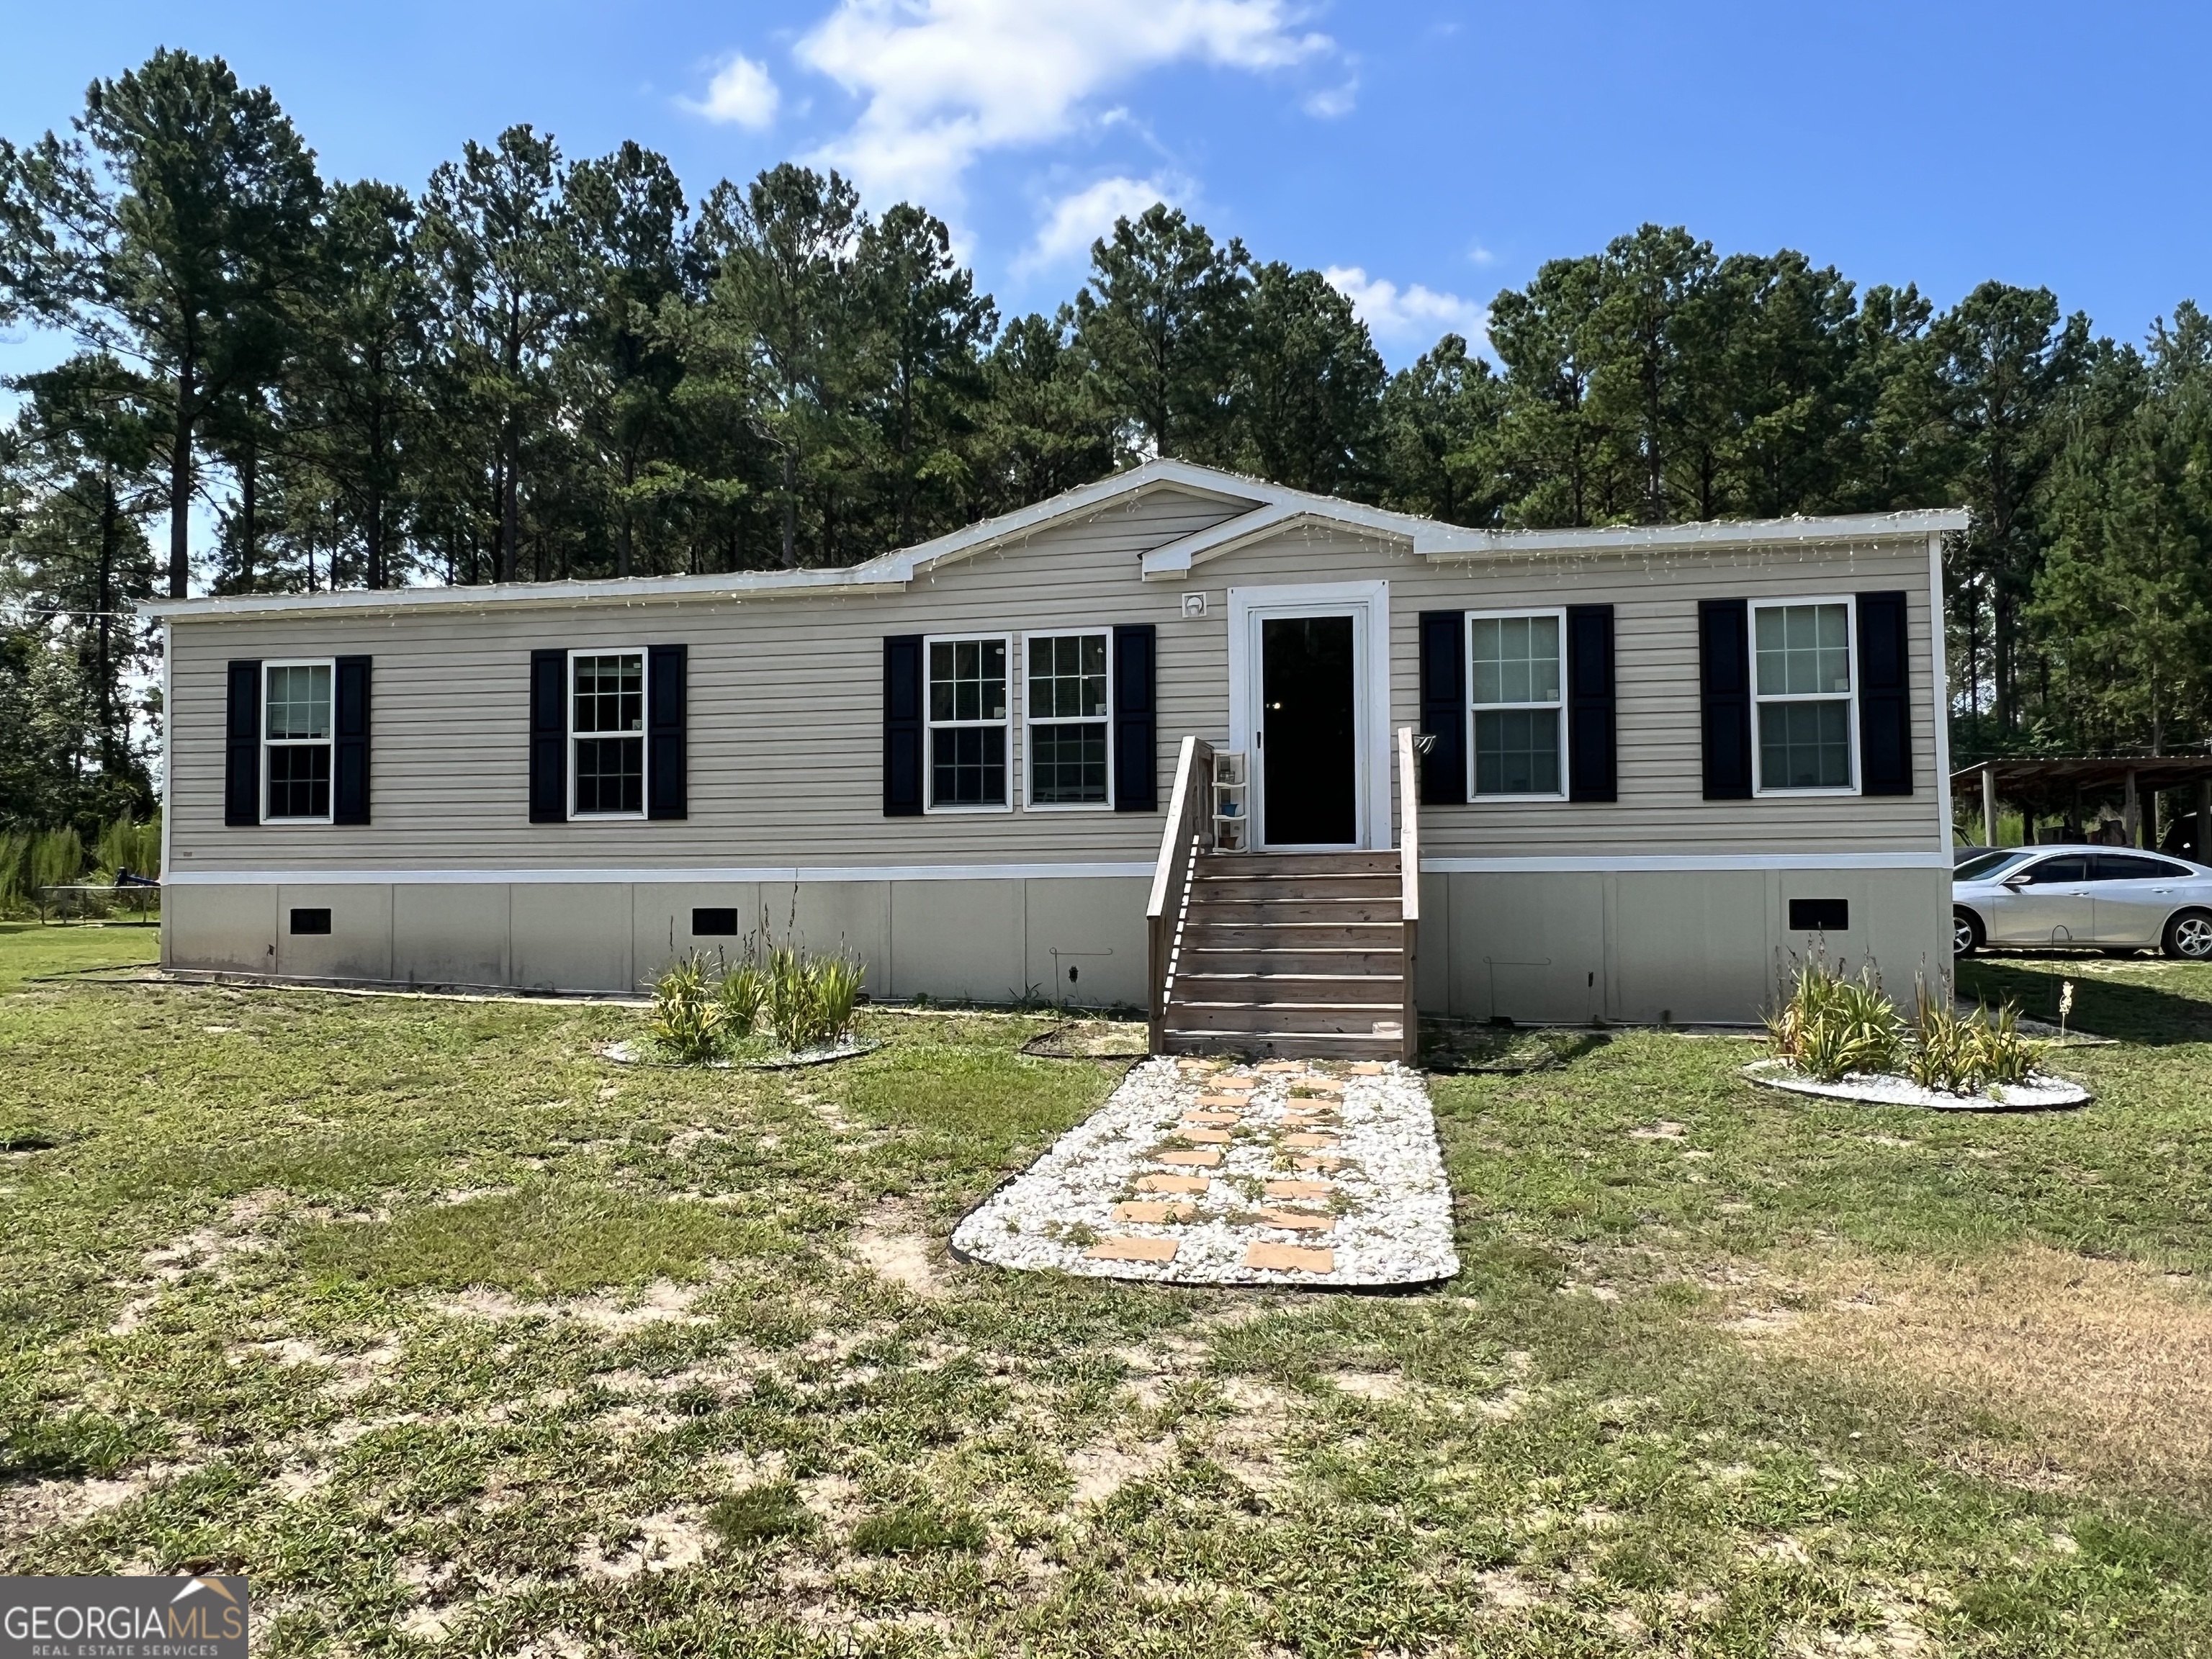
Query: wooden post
2131	814
1988	805
2027	826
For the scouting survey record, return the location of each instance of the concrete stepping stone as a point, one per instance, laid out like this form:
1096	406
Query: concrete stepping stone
1367	1068
1290	1259
1317	1161
1280	1065
1215	1102
1154	1215
1132	1246
1208	1137
1167	1183
1309	1140
1299	1221
1199	1158
1224	1120
1299	1189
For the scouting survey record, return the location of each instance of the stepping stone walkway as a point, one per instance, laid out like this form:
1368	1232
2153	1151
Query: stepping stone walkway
1205	1172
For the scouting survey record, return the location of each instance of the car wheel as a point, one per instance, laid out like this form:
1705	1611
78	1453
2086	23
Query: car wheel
1966	935
2189	936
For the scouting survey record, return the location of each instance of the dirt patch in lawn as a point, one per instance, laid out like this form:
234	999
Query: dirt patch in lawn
895	1244
2108	1364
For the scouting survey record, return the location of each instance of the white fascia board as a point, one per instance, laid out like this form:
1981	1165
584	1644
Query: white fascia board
1175	561
1441	541
524	596
1229	489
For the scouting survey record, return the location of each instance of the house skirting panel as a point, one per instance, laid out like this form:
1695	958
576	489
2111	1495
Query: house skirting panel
1079	939
1639	946
1633	946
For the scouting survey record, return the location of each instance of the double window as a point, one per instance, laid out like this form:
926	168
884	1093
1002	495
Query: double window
1802	692
1066	742
1070	759
1516	674
607	734
295	745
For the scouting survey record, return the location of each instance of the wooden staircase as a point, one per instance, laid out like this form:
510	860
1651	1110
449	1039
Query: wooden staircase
1291	956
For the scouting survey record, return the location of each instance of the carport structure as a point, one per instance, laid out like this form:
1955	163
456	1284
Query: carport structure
2066	795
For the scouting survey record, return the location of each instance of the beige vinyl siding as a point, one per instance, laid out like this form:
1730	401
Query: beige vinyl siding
784	726
1662	807
785	708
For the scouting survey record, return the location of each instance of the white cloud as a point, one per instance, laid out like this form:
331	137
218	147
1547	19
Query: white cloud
1413	314
1076	222
1332	101
944	81
741	92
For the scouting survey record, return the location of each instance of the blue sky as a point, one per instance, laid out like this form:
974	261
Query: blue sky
1426	154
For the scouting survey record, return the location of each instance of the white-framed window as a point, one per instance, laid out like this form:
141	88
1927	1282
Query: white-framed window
295	740
1804	696
1517	728
1065	740
606	734
968	704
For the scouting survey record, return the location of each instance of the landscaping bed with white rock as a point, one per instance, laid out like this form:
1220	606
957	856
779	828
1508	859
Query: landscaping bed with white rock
769	1059
1203	1172
2041	1092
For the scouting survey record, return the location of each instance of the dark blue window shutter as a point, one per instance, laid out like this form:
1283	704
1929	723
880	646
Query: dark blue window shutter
548	737
1724	676
242	746
1443	707
1136	726
1885	696
1592	770
350	744
903	725
665	667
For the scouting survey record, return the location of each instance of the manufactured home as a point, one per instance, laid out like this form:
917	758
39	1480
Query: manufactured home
1282	768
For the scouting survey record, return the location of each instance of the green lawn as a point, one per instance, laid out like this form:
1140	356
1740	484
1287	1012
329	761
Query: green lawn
455	1338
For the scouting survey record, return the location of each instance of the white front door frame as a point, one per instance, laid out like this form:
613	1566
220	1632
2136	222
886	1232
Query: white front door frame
1368	604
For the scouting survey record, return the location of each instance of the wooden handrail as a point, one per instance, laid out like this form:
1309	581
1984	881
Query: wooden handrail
1409	885
1188	830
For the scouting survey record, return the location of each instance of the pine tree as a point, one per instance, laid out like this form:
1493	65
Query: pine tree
171	232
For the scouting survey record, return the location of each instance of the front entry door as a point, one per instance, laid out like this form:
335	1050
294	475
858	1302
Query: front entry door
1308	733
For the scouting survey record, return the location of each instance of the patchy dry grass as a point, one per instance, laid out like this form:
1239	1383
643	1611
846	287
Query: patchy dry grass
2106	1365
458	1341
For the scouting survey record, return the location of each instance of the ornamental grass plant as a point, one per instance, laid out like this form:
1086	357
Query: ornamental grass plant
701	1011
1829	1026
687	1017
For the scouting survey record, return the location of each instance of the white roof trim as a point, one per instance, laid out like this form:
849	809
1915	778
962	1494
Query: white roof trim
1266	509
1441	541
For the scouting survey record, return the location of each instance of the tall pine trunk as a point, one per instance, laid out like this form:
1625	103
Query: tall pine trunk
180	484
510	503
108	516
249	490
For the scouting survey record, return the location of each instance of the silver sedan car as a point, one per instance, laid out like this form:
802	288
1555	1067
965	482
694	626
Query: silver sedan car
2110	898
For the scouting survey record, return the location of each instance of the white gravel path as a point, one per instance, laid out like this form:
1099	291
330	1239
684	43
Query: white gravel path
1384	1192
